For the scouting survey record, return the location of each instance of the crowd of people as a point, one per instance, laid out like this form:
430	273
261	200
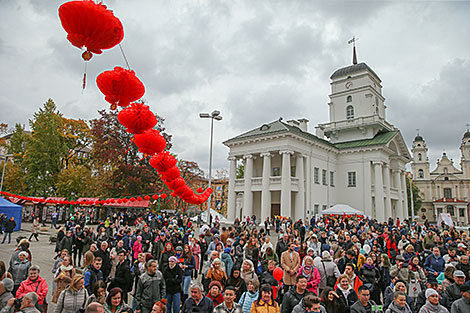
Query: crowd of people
166	263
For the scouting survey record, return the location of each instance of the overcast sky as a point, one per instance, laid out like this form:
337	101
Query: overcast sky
255	61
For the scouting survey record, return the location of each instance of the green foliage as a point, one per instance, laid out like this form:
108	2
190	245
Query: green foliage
240	171
417	200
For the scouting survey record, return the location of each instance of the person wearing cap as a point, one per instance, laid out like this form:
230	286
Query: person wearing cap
215	293
328	270
451	257
431	284
19	269
464	266
6	286
463	304
417	245
453	291
400	269
432	303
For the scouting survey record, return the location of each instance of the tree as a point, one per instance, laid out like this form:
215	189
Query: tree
76	180
45	151
18	143
417	200
240	171
77	135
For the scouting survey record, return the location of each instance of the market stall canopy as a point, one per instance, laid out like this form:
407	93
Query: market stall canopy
214	214
10	209
339	209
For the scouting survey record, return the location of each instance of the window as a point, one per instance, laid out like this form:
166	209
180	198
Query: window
450	209
349	99
351	179
316	208
323	177
462	212
420	174
292	171
332	178
349	112
316	175
447	193
324	208
276	171
420	158
446	178
439	211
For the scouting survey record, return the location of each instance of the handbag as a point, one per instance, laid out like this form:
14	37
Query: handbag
41	307
330	280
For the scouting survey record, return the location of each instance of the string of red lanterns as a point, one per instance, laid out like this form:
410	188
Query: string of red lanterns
162	196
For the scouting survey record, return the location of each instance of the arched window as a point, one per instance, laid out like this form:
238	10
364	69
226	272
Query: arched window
420	174
349	112
419	157
349	99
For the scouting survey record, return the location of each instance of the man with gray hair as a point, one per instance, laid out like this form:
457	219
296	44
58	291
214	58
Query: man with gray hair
19	270
198	302
94	307
6	286
27	304
150	288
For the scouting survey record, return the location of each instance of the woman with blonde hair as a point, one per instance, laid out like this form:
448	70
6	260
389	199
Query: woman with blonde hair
74	297
63	277
217	272
88	259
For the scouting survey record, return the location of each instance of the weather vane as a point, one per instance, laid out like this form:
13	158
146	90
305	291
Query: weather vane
353	41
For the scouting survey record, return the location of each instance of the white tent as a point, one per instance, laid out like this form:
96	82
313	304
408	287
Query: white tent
214	214
339	209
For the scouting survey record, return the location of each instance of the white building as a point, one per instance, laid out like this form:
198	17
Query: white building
358	158
446	189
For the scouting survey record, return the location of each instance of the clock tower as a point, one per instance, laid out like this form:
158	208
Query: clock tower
357	109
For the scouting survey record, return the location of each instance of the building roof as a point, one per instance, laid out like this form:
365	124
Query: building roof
279	127
418	138
467	134
348	70
449	200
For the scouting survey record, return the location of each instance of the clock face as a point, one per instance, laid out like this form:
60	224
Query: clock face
348	85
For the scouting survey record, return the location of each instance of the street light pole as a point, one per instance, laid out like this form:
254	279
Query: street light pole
214	115
5	156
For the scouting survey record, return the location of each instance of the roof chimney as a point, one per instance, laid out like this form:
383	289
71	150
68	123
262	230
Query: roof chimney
303	124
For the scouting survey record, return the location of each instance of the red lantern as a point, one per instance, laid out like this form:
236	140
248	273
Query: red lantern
132	199
120	86
150	142
163	196
171	174
140	198
163	161
137	118
278	273
155	197
91	25
147	197
199	190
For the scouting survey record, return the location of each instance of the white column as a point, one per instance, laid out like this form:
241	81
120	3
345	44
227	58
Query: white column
367	189
286	184
248	194
399	207
388	200
265	192
231	205
300	196
405	195
308	193
379	193
466	216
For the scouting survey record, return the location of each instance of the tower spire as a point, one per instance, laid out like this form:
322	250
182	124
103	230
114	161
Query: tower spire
353	41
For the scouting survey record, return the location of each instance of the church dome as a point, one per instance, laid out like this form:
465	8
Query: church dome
466	135
348	70
418	138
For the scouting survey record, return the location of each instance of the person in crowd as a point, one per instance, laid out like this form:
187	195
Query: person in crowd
330	300
282	245
248	272
27	305
99	293
290	262
309	303
6	287
295	294
9	226
432	284
399	304
173	276
347	296
74	297
237	283
189	267
66	242
311	273
229	305
19	270
197	302
93	274
122	277
35	229
150	288
432	303
3	271
364	304
166	254
249	296
462	305
370	276
217	272
265	302
115	302
434	263
400	286
34	283
63	277
328	270
269	255
400	269
215	293
453	291
103	253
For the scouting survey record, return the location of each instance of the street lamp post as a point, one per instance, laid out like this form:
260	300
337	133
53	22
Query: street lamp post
5	157
214	115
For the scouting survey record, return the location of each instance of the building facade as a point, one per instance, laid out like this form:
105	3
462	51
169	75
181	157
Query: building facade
357	158
446	189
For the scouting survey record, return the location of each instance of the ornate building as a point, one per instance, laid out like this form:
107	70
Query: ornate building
358	158
446	189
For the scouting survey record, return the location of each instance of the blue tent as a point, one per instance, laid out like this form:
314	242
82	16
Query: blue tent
10	209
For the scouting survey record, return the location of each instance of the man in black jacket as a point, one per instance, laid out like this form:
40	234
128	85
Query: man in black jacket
453	291
9	226
103	253
294	295
122	278
282	245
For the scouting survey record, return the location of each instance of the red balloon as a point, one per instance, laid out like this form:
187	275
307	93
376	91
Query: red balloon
91	25
120	86
150	142
137	118
278	273
162	161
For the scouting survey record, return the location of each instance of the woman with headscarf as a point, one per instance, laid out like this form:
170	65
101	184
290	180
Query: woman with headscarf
432	303
217	272
311	273
63	277
236	282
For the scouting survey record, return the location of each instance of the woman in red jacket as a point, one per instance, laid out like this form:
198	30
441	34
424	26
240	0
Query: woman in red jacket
34	283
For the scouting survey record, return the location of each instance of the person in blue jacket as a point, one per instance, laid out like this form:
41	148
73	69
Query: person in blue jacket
434	263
